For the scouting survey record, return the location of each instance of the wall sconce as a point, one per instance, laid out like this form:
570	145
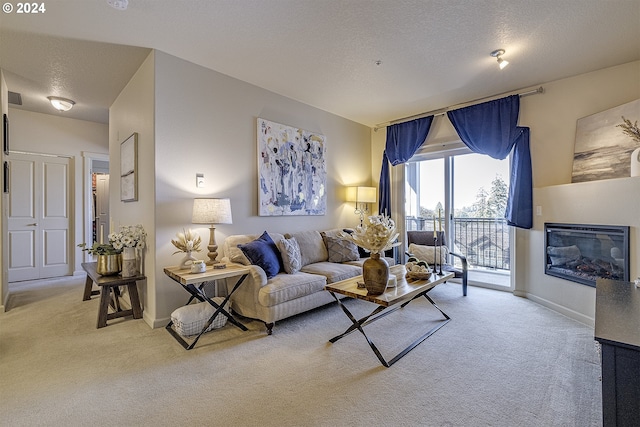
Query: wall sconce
362	196
61	104
498	54
211	211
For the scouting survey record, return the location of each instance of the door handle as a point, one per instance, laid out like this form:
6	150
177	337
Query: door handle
35	224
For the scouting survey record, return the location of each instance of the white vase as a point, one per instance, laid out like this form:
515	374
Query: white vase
635	162
187	261
129	262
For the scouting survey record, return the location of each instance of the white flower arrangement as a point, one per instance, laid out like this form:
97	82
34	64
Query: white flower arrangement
376	235
187	241
129	236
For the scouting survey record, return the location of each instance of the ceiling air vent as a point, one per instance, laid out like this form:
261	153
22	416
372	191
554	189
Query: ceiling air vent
14	98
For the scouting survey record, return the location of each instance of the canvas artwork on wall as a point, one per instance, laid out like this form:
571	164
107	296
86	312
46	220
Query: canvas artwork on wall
602	150
292	174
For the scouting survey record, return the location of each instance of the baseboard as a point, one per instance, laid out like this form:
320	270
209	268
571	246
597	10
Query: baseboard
579	317
154	323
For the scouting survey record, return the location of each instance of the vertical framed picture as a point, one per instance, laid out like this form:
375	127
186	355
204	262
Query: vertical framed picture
129	169
292	171
5	133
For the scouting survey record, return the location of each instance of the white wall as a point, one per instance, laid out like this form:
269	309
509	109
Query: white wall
133	111
205	122
552	118
58	135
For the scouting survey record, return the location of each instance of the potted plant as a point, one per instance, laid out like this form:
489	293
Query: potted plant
107	256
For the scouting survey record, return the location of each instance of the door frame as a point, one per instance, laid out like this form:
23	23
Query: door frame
87	230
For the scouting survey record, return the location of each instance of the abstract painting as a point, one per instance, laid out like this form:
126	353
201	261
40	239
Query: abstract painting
292	174
602	150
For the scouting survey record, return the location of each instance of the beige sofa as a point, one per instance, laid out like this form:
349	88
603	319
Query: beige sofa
325	257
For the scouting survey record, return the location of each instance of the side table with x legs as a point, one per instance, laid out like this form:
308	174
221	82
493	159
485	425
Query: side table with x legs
194	283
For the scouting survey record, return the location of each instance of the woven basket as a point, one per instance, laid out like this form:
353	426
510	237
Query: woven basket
190	319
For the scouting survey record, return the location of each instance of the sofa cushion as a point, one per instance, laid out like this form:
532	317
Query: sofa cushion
290	252
333	272
341	249
287	287
312	248
263	253
233	252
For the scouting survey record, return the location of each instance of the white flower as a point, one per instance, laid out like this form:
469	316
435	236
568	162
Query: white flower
129	236
188	241
376	235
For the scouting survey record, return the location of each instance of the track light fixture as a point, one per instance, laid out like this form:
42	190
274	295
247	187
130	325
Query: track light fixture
498	54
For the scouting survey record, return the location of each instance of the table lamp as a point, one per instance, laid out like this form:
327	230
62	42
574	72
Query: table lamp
362	196
212	211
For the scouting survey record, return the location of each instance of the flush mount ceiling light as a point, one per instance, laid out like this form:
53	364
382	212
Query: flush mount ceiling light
498	54
61	104
118	4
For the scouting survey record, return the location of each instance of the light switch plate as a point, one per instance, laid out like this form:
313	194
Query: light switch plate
199	180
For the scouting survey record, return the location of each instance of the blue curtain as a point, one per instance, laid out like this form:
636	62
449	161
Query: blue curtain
492	128
403	140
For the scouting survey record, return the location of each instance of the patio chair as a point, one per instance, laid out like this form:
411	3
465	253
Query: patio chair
425	238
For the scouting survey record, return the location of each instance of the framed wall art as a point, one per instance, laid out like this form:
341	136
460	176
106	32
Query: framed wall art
602	150
129	169
292	174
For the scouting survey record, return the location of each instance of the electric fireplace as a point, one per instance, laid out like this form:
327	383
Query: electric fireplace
584	253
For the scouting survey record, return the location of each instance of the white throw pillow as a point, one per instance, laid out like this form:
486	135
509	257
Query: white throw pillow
428	253
290	252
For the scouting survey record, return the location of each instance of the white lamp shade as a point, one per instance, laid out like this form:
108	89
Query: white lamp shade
361	194
211	211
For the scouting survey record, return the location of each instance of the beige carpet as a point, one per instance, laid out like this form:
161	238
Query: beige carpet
501	361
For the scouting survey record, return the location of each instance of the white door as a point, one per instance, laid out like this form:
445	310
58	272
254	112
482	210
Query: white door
38	217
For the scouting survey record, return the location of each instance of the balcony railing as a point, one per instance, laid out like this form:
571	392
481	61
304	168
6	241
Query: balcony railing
484	241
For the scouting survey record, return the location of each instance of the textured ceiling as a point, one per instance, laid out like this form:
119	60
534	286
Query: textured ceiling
434	53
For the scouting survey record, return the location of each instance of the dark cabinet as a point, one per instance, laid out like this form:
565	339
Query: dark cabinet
618	331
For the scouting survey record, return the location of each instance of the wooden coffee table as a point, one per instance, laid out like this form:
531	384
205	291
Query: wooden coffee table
390	301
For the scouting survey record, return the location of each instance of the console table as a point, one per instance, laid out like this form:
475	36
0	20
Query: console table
108	285
617	329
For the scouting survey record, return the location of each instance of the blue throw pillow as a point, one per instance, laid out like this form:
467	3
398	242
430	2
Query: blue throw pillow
264	253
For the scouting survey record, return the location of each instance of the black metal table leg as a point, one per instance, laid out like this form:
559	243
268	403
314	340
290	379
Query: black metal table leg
199	294
378	313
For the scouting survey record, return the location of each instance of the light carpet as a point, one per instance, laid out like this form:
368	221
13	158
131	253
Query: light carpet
500	361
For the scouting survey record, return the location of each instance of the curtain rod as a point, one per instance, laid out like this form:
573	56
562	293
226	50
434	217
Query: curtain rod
443	111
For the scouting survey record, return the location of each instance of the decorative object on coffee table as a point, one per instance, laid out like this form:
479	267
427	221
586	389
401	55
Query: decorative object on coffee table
187	242
377	235
212	211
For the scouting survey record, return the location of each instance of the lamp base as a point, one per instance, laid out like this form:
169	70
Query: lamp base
212	255
213	248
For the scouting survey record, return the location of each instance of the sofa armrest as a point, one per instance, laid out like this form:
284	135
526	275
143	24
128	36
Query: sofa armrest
251	286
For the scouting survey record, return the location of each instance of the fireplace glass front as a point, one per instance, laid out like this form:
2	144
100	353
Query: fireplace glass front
583	253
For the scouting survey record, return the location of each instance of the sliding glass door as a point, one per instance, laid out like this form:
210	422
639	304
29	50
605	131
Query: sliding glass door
469	193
